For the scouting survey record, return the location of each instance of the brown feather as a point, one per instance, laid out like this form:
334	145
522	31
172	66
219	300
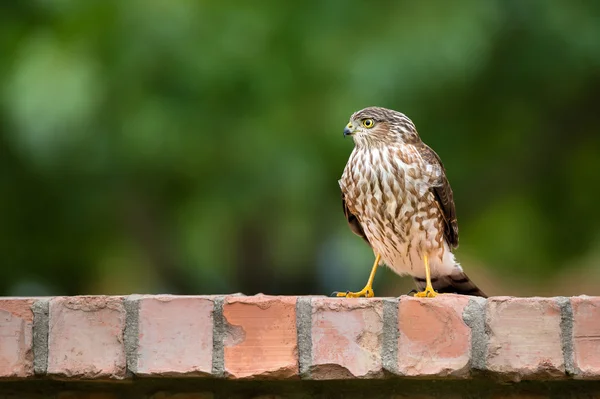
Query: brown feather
443	195
353	222
456	283
397	186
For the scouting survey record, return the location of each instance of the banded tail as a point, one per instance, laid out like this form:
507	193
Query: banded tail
456	283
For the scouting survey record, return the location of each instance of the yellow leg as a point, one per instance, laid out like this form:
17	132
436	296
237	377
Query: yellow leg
428	292
368	290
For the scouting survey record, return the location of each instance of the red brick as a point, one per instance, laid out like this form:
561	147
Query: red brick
586	336
85	338
16	332
346	338
175	336
524	338
433	338
260	337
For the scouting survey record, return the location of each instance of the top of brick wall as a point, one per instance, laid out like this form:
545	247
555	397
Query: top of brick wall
313	338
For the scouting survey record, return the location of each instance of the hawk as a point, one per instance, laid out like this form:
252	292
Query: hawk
396	196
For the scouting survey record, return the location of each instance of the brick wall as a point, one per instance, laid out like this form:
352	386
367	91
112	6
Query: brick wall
236	346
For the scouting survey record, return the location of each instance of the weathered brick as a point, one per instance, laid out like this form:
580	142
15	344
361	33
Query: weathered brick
433	338
16	338
346	338
260	337
524	338
85	337
175	336
586	336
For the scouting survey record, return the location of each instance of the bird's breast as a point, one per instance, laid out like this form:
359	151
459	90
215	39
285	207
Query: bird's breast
379	182
391	198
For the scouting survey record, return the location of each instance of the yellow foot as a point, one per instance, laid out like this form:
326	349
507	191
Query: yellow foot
366	292
428	292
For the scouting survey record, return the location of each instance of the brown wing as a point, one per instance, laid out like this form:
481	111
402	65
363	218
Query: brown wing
443	195
353	222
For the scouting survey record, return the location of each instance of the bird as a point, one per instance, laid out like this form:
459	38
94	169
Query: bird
397	198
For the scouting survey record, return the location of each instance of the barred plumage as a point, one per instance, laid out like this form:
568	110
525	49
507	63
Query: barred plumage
396	196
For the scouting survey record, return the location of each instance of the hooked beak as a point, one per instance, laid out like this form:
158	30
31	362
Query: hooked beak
348	131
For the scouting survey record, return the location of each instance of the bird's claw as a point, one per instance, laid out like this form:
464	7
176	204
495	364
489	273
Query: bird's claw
366	292
428	292
339	294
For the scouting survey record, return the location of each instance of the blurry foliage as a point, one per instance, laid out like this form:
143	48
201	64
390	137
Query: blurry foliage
195	146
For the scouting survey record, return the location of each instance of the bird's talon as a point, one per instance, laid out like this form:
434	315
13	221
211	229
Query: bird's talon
365	292
340	294
428	292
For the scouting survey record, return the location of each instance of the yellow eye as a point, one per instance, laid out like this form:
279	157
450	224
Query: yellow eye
368	123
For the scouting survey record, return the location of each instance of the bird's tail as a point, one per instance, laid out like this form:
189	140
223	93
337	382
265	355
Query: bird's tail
456	283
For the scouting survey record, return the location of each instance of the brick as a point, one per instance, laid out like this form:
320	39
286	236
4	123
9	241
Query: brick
433	339
586	336
16	338
524	338
85	338
260	337
346	338
175	336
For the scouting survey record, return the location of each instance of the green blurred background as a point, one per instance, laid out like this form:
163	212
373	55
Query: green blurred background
194	147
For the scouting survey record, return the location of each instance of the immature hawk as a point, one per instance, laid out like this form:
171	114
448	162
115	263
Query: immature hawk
396	196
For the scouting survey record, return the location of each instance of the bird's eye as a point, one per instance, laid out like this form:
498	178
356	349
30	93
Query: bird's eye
368	123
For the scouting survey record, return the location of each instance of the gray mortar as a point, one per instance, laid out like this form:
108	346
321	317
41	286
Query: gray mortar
218	353
41	319
389	348
474	317
304	328
566	333
131	335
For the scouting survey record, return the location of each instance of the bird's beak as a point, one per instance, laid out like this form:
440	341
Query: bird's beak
348	130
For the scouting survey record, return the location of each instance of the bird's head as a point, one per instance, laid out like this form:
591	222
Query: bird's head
376	126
